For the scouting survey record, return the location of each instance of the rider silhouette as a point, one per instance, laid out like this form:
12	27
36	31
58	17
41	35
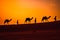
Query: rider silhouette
55	18
17	21
35	20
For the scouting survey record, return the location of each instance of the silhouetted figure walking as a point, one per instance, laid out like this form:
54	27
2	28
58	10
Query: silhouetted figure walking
55	18
17	21
45	18
7	21
35	20
28	19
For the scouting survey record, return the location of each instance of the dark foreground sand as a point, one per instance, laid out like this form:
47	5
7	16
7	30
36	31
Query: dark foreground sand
41	31
30	35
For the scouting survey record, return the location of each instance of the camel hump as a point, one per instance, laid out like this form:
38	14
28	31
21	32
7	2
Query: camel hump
6	20
28	18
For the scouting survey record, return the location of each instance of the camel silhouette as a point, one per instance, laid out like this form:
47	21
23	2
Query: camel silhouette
7	21
45	18
28	19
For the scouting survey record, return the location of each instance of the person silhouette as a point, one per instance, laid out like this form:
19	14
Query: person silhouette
17	21
35	20
55	18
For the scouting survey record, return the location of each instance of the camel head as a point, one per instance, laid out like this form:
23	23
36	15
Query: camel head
49	17
55	16
31	18
10	19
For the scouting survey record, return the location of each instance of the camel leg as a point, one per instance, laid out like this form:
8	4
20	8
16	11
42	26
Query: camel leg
47	20
7	23
4	22
25	22
29	22
42	21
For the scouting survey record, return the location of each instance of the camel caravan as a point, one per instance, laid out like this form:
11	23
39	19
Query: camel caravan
44	18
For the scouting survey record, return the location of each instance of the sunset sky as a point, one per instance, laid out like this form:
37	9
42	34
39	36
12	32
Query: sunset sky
21	9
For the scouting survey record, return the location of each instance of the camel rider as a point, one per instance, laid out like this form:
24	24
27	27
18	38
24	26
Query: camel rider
55	18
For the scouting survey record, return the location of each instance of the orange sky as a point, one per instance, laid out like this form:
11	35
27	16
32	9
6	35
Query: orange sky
20	9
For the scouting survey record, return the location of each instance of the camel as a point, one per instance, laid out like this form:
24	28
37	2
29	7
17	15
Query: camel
28	19
45	18
7	21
